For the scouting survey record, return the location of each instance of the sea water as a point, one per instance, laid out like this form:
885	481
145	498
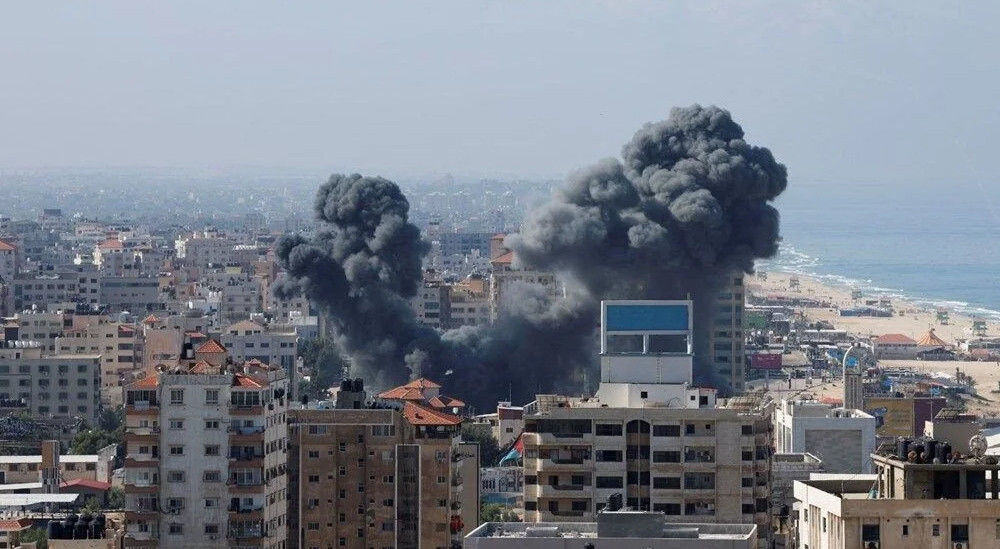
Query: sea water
937	245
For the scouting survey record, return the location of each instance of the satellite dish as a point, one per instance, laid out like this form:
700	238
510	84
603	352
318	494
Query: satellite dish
978	445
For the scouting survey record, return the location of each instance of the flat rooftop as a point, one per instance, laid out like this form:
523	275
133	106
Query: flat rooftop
617	524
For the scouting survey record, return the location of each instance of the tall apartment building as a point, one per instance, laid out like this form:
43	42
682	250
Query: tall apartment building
60	387
118	343
952	504
204	249
648	434
205	457
843	439
388	476
727	338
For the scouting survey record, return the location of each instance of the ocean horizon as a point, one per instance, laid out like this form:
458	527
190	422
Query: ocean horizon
932	245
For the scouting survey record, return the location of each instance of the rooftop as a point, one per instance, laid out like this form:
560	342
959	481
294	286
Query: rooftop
616	524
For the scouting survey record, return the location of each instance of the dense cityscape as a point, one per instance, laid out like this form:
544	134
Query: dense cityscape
499	275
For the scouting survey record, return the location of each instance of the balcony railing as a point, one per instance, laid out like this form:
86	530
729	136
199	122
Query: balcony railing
245	456
247	430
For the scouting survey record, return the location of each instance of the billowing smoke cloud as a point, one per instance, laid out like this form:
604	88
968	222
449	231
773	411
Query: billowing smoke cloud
688	206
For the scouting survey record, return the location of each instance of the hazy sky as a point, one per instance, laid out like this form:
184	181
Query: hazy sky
840	91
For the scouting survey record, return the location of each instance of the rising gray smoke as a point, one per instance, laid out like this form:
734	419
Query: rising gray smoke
688	206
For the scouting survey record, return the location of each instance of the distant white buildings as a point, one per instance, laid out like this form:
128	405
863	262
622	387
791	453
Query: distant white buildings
843	439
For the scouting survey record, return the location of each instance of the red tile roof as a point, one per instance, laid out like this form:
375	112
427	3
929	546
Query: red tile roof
85	483
422	383
442	401
202	367
211	346
417	414
402	393
110	244
148	382
894	339
15	525
5	247
240	380
151	319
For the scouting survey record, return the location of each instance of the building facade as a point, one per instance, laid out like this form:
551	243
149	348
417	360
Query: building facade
905	504
648	434
391	477
726	340
843	439
205	458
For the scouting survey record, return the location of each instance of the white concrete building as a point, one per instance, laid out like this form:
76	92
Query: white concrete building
843	439
205	458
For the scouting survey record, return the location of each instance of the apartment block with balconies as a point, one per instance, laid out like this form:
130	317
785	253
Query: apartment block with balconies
648	434
205	458
390	476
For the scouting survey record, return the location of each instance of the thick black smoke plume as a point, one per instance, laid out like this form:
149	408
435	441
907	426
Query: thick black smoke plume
688	207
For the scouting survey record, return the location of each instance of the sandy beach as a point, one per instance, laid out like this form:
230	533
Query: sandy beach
915	322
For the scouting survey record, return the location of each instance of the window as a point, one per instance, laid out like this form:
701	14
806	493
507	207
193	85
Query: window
531	506
383	430
177	450
689	429
666	430
342	471
211	424
869	532
313	454
960	533
212	529
906	529
746	429
608	455
935	529
748	509
824	524
175	476
313	478
176	423
176	529
608	430
579	506
667	483
212	476
609	482
211	396
175	503
312	526
177	396
342	447
667	457
212	450
747	482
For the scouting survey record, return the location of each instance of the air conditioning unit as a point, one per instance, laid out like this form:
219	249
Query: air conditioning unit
959	545
213	537
870	545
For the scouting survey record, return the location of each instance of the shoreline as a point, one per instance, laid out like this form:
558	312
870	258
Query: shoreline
793	262
916	321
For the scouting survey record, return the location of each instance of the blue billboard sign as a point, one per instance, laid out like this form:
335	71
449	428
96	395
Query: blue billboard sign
647	318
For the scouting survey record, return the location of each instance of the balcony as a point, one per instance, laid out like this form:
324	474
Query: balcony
560	439
247	430
135	432
563	464
573	491
142	408
243	410
142	460
699	456
245	533
242	457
